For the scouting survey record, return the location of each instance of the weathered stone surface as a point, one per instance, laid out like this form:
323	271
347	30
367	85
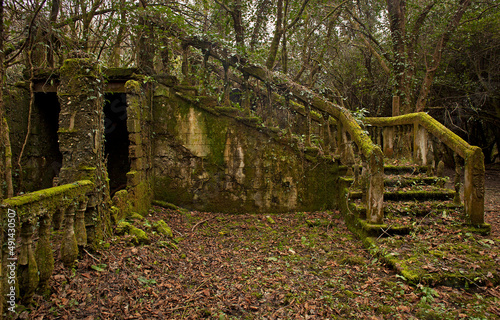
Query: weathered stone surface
208	162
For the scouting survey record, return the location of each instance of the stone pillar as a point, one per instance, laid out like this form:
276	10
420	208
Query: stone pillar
138	118
388	141
375	196
81	131
419	145
395	106
81	125
474	186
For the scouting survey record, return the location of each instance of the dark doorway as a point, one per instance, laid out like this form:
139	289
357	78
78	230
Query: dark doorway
117	142
45	156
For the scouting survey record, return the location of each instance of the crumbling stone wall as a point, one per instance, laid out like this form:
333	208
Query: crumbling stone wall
208	161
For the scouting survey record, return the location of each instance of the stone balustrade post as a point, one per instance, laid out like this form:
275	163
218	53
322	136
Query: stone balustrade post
375	192
27	273
43	253
80	230
69	246
420	144
474	186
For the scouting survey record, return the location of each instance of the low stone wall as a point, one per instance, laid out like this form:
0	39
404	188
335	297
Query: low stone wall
204	160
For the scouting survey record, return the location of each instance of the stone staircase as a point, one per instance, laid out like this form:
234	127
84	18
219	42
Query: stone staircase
425	236
411	193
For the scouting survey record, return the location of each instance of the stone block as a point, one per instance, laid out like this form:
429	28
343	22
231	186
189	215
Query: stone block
135	138
135	151
137	164
133	178
133	125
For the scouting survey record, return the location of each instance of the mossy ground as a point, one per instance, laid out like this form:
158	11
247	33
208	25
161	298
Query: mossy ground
303	266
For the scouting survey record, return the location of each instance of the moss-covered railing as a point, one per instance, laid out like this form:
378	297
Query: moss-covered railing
30	216
417	127
347	126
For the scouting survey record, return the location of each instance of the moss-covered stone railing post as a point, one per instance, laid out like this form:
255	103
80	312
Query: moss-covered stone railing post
473	156
90	219
69	246
80	230
474	185
388	141
27	268
420	145
43	254
31	214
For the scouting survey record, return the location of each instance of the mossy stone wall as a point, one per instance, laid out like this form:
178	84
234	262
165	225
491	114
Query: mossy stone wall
208	161
40	162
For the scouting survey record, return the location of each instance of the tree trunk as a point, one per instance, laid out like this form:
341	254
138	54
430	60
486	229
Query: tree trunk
436	56
6	161
238	25
262	11
397	18
145	47
116	53
278	32
53	41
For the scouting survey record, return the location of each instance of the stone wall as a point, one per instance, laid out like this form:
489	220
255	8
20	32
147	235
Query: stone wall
205	160
41	158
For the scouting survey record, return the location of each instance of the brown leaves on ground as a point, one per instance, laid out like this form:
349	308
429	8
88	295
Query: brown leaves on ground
303	266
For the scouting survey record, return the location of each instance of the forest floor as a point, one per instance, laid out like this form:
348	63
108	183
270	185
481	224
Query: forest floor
303	265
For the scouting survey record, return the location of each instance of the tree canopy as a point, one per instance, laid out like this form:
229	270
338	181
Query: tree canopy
436	56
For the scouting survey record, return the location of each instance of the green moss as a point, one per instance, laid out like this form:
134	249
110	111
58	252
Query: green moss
80	67
135	216
316	115
50	198
139	236
162	228
119	72
122	227
133	87
166	205
434	127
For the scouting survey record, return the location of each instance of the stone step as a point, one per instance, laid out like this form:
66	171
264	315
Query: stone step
391	169
417	209
403	181
444	194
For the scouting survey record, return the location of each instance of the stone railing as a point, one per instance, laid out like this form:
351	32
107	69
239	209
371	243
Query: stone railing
30	216
408	135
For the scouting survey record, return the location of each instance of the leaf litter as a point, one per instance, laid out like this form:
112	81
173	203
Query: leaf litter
304	265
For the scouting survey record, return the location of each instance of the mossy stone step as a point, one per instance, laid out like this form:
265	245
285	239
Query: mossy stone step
380	230
412	181
445	194
397	181
392	169
418	209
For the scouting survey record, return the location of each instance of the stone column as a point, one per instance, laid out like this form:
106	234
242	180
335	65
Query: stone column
81	130
81	126
474	186
419	144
